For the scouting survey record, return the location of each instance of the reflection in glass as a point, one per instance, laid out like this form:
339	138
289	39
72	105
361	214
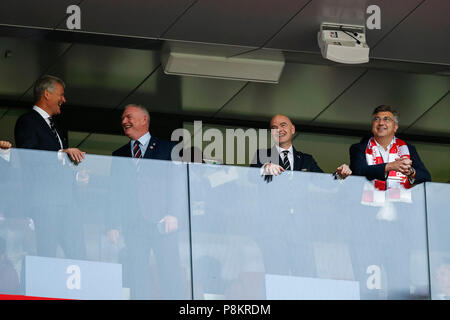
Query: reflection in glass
302	236
438	217
51	208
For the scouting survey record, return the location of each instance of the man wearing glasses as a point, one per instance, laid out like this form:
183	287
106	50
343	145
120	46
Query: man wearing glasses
386	159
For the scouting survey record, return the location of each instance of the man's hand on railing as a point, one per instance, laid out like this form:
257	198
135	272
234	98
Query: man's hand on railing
272	169
343	171
75	154
5	144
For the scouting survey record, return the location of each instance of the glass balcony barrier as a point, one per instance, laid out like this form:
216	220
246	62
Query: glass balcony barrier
438	218
121	228
304	236
109	228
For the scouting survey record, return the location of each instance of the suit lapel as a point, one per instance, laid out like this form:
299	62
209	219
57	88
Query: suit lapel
127	150
151	149
273	152
62	137
298	160
48	130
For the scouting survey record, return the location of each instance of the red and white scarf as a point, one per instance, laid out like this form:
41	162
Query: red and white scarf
399	149
396	187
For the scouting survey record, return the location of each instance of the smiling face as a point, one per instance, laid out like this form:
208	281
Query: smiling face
134	122
384	125
282	130
54	99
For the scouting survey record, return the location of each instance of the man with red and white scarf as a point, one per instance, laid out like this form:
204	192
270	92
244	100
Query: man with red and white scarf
386	159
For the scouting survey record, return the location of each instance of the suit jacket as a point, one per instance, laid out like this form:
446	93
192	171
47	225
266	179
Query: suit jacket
359	166
33	132
148	188
157	149
302	161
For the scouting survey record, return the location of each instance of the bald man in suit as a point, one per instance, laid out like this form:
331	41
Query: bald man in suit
289	158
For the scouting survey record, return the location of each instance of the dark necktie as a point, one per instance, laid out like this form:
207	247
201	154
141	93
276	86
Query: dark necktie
137	150
52	126
286	164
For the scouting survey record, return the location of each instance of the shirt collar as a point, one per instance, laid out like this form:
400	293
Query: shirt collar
143	139
388	147
280	150
43	114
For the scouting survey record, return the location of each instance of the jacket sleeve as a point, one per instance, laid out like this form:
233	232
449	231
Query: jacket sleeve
25	135
255	162
359	166
422	173
314	166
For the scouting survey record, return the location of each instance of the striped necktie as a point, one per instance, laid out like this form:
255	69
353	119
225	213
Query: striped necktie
52	126
137	150
286	164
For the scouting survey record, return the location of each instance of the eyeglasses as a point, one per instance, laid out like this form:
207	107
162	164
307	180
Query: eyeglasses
385	119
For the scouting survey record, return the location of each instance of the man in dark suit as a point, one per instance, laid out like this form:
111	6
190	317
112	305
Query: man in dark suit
392	166
48	182
36	129
135	124
285	247
149	218
283	156
385	158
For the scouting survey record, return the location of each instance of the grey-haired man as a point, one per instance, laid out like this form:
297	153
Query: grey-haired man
36	129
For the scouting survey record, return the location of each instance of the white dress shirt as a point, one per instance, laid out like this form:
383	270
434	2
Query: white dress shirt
46	117
385	152
144	141
290	158
290	155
